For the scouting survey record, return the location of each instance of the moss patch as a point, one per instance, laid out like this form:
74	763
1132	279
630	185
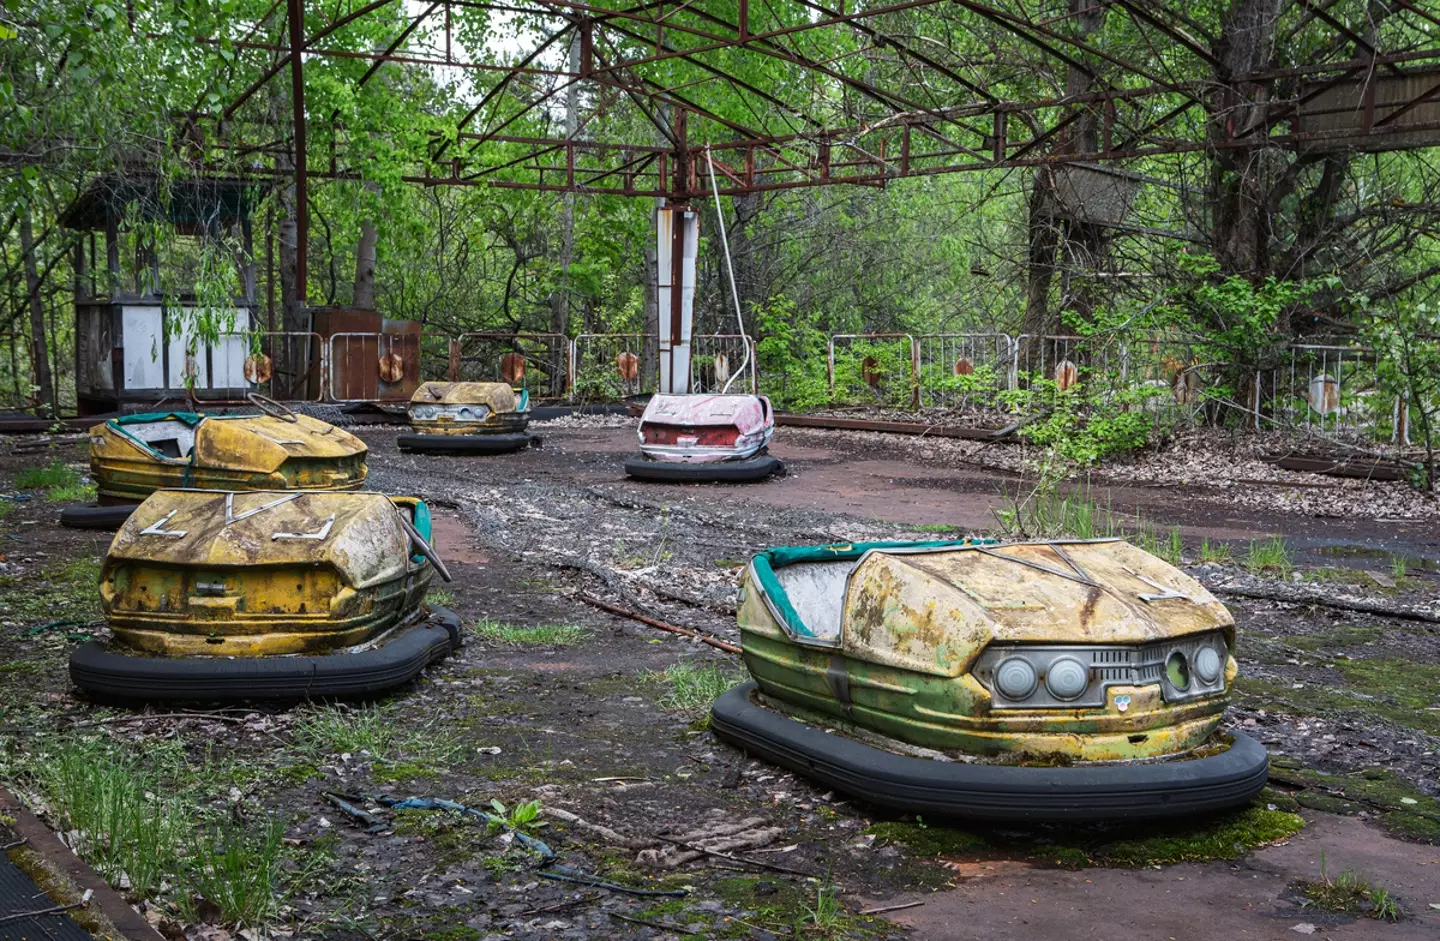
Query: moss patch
1414	686
927	840
1404	811
1349	635
1313	699
1228	835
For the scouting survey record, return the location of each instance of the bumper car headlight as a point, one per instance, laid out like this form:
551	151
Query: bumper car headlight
1067	678
1016	679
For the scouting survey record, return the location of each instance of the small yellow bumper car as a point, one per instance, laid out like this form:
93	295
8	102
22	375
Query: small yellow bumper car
266	595
133	456
1065	680
468	418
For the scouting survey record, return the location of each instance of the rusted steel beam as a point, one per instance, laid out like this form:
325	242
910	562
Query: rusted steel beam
1324	14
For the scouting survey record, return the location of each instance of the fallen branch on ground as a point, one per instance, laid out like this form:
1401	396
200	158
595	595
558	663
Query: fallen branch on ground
661	625
776	867
1329	601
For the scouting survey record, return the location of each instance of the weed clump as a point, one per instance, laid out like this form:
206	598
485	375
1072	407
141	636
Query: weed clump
544	635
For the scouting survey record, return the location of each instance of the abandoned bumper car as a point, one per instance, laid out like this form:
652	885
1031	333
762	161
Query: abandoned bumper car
468	418
266	595
133	456
1078	680
701	438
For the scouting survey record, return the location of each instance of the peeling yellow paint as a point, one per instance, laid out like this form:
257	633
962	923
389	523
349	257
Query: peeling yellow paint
287	573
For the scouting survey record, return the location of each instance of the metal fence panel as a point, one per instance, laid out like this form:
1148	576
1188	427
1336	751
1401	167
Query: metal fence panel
288	366
873	369
610	366
539	362
385	367
715	357
964	370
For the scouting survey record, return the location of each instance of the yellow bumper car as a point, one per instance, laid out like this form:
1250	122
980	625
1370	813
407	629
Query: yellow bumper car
134	455
1063	680
468	418
266	595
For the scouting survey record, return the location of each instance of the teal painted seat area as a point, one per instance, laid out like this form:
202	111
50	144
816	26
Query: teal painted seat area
523	402
421	520
827	609
144	418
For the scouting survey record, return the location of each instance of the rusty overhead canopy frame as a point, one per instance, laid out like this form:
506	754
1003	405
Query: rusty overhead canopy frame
914	106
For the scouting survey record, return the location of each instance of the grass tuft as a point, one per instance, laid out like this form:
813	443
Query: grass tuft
692	687
1218	553
127	832
236	873
1272	556
1350	894
388	740
543	635
54	475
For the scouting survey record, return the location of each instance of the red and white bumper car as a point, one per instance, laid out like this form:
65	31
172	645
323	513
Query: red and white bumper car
705	438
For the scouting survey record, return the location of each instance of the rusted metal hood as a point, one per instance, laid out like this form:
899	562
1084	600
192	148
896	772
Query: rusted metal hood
497	396
358	535
261	444
749	414
935	611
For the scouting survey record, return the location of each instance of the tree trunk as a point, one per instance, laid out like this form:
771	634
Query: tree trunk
1240	229
292	308
39	348
560	299
363	295
1085	245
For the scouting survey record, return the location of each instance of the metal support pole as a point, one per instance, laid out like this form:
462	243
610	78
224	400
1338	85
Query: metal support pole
677	240
296	15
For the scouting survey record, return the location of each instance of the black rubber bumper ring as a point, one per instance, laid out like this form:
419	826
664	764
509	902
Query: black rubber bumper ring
107	518
111	675
755	468
992	792
467	444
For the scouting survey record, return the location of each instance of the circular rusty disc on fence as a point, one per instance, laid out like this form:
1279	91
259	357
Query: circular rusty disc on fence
870	371
512	368
258	369
392	367
963	367
628	365
1324	395
1186	387
722	367
1066	374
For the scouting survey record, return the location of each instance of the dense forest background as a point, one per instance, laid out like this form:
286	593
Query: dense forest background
1240	244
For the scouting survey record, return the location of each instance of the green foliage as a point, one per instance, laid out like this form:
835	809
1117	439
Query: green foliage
377	734
540	635
791	351
524	816
1269	556
55	475
236	872
693	687
1349	894
128	831
1218	552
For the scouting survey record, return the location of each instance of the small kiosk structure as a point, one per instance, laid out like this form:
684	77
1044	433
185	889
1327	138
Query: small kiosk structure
130	337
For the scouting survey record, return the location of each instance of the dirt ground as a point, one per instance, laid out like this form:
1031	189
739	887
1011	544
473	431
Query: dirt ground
1347	702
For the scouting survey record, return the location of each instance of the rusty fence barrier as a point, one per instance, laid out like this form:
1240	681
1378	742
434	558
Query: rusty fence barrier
288	366
717	357
609	367
541	363
873	369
